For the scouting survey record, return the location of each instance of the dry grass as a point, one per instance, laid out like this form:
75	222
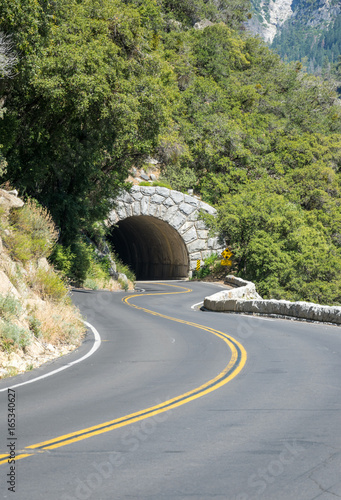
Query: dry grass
59	323
47	284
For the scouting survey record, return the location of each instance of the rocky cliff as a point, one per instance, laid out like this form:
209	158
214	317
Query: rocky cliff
269	17
272	17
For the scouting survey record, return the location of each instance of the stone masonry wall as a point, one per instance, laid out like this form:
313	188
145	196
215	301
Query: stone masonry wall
179	210
244	299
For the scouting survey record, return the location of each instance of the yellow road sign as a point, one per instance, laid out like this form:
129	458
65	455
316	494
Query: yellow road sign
198	265
226	262
227	254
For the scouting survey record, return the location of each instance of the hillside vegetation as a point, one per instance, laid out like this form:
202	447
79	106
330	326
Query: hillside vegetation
37	319
101	85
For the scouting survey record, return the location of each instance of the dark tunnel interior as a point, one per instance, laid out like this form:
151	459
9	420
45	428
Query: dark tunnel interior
151	247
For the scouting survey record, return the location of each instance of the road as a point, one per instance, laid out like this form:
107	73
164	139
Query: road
242	408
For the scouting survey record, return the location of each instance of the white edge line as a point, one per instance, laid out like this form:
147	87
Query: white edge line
198	304
94	348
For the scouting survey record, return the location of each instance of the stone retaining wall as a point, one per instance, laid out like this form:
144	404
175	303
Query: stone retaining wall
238	300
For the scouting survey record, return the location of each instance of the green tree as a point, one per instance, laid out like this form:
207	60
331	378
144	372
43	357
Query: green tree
90	101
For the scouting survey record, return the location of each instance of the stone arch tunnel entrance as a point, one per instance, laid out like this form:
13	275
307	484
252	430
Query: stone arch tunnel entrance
158	232
151	248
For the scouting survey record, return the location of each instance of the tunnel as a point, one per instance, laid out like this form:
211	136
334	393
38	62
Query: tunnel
150	247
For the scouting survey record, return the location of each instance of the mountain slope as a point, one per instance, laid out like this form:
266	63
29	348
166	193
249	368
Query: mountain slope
300	28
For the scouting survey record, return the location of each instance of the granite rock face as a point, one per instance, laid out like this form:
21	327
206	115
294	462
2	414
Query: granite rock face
179	211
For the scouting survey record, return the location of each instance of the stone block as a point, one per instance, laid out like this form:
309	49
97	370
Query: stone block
113	218
129	210
147	190
197	246
193	217
186	208
185	227
200	225
191	201
125	197
207	208
212	243
162	191
158	199
169	214
137	195
137	208
121	212
195	256
203	234
168	202
190	235
144	203
177	196
154	210
177	220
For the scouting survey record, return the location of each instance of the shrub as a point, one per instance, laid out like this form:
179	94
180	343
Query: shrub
81	264
20	246
98	274
48	284
124	269
32	232
35	326
124	285
10	307
211	266
13	336
83	255
62	259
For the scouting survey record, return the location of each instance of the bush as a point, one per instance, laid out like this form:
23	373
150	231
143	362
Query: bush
83	256
124	284
211	265
32	232
13	337
62	259
181	178
10	307
81	265
125	269
48	284
35	326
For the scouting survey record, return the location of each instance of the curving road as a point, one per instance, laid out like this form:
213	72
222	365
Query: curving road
240	408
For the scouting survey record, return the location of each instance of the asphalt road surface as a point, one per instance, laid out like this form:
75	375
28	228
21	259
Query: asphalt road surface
240	408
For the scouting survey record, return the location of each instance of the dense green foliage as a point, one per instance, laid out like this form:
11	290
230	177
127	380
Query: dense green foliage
89	100
81	265
103	84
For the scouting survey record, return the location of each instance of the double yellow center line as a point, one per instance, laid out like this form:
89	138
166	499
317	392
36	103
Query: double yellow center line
235	365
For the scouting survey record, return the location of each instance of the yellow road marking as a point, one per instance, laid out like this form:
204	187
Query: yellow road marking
235	365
